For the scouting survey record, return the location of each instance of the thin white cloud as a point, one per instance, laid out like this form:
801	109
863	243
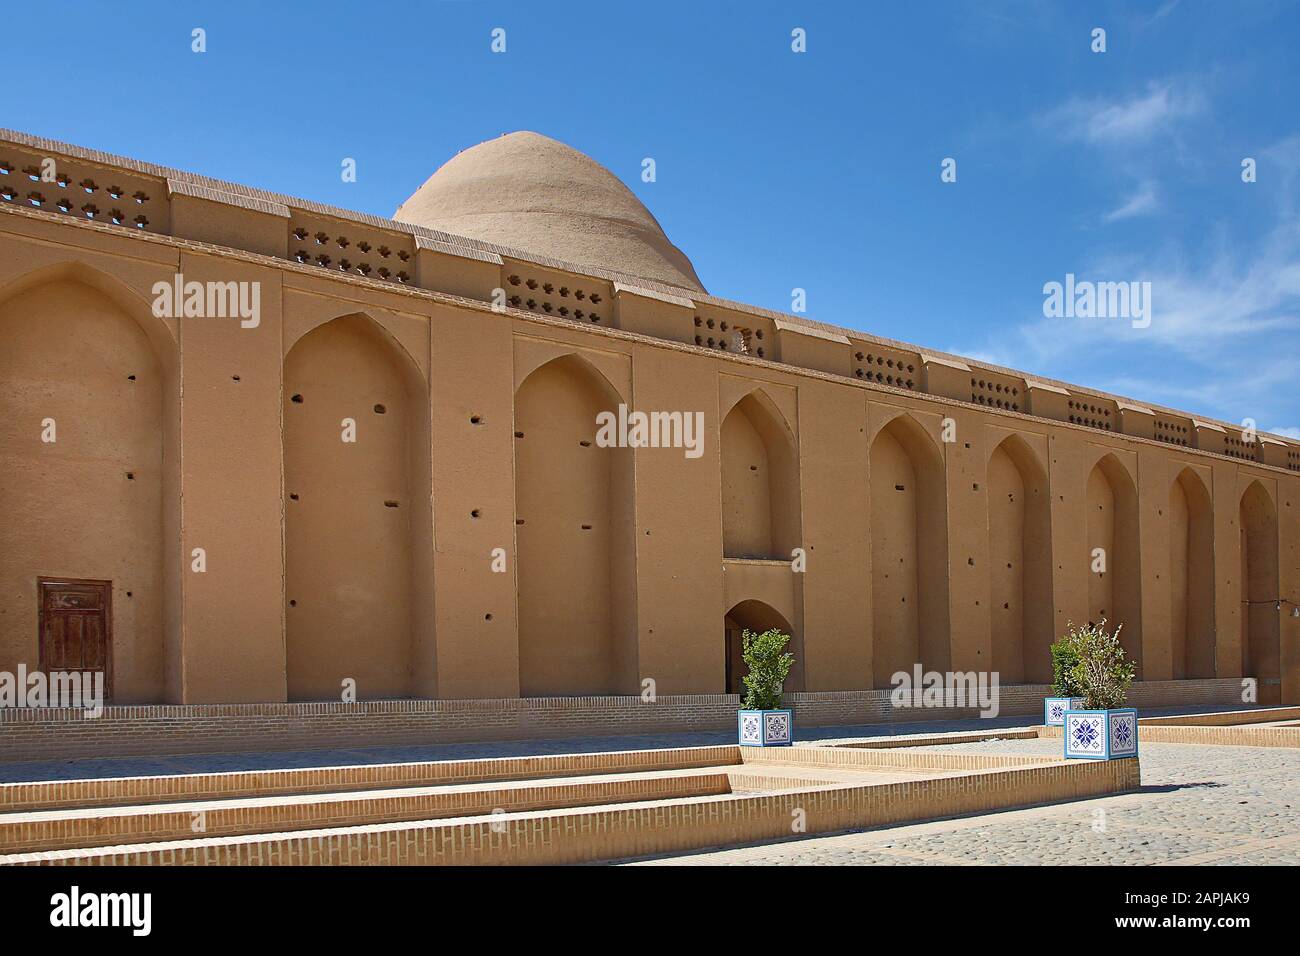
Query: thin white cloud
1141	203
1287	432
1111	122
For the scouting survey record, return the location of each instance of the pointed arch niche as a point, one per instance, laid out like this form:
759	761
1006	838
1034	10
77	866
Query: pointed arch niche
909	551
574	527
1020	563
1191	577
1260	618
1114	593
760	481
356	513
83	362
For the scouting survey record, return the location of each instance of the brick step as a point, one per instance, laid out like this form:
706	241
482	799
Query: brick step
83	828
130	791
772	796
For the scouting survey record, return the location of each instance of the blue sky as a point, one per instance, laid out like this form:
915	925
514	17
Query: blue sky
779	170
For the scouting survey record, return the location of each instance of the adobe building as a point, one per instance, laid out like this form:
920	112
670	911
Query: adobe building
368	452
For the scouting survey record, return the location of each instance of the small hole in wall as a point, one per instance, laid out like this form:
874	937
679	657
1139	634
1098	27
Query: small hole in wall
380	409
129	594
586	527
487	617
475	513
753	467
975	486
899	488
130	476
293	496
971	562
293	604
390	504
234	378
519	521
584	443
519	434
130	378
476	419
297	399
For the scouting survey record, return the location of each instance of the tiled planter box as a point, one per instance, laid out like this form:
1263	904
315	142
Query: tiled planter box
1101	734
766	728
1054	709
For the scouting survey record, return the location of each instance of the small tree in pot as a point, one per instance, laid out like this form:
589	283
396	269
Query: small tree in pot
762	721
1091	667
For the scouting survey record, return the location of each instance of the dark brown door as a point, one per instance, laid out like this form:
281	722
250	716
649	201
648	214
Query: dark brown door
75	621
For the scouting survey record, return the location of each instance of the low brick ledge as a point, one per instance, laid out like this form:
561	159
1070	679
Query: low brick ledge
175	729
1143	693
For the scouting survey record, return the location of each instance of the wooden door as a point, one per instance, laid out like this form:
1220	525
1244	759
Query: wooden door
76	627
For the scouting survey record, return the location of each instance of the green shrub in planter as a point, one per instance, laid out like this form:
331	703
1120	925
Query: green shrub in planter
762	722
1089	662
1094	667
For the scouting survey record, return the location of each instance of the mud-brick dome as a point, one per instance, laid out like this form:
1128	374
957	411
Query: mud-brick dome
537	195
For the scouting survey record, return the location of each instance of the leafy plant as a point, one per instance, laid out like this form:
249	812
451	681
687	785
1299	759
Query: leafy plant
1064	657
1089	662
768	668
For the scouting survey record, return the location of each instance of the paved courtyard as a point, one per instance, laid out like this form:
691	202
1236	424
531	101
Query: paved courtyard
1197	805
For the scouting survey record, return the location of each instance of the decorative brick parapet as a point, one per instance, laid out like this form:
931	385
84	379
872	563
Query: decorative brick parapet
158	729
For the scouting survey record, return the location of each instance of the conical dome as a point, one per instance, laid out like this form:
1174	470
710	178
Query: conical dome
537	195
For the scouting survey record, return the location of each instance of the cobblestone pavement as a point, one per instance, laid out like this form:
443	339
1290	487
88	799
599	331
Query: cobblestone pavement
1197	805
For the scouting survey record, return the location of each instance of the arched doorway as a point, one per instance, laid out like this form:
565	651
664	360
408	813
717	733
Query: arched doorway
909	546
755	617
1112	563
354	514
1020	564
574	532
760	485
1260	617
1191	577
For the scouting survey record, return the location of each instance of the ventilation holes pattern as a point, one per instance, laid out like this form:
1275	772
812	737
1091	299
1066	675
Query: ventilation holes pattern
1293	460
996	394
562	299
728	337
1093	416
355	252
98	195
1237	448
886	370
1172	434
